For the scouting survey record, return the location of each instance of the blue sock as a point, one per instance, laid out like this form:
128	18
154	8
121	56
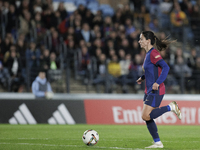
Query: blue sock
151	125
159	111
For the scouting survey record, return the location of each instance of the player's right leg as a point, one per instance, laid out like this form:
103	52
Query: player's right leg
174	108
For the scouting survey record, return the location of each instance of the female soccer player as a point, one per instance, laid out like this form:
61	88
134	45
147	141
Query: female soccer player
156	71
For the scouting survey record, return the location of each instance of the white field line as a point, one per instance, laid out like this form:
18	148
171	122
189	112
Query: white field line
52	139
79	140
52	145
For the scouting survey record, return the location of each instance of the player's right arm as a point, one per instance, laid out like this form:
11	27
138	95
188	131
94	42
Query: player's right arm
141	79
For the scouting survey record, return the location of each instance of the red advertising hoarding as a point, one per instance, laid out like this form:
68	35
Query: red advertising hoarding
129	112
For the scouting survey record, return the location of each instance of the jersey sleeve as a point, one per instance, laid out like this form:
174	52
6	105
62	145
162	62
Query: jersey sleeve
155	56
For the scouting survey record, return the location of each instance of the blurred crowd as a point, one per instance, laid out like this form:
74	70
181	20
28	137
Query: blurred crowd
99	47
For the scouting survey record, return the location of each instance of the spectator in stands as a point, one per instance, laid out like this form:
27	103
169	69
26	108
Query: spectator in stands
5	46
38	6
124	65
129	26
195	76
46	4
133	36
108	26
101	76
40	33
195	23
33	60
4	76
178	53
98	52
85	34
178	20
121	55
88	18
164	17
41	88
55	42
98	19
154	7
56	20
47	18
45	60
135	49
5	8
137	4
25	25
135	71
127	13
14	67
33	56
96	45
182	72
111	53
62	11
154	25
113	37
185	6
12	20
117	17
95	31
82	10
8	54
114	68
84	62
125	46
71	49
24	7
1	53
21	49
109	46
53	61
71	31
192	59
142	17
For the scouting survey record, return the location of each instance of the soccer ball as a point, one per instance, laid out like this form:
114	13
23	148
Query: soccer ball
90	137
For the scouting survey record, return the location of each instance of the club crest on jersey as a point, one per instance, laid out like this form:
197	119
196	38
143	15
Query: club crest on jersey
157	56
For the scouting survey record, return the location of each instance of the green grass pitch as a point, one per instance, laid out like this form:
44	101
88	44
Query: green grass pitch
69	137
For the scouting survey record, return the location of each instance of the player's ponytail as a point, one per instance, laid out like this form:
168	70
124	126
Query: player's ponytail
160	45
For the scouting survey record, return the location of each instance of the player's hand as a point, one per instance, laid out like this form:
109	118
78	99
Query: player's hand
139	81
155	86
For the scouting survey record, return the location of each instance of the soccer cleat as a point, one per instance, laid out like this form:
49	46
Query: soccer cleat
174	108
156	145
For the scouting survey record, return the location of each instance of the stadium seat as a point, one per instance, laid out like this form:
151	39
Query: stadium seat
104	6
69	1
93	4
55	5
108	12
81	2
88	1
70	7
93	7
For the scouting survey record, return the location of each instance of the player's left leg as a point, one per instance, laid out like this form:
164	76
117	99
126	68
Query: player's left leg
150	104
151	125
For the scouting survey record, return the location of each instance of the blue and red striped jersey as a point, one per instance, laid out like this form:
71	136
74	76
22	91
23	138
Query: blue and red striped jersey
153	71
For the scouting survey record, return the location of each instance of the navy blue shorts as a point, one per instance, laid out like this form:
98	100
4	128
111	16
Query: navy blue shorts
153	100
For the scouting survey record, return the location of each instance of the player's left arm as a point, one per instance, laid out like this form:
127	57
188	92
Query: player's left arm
164	73
158	61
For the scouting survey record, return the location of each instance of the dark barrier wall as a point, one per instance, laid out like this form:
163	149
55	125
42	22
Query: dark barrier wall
92	109
42	111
